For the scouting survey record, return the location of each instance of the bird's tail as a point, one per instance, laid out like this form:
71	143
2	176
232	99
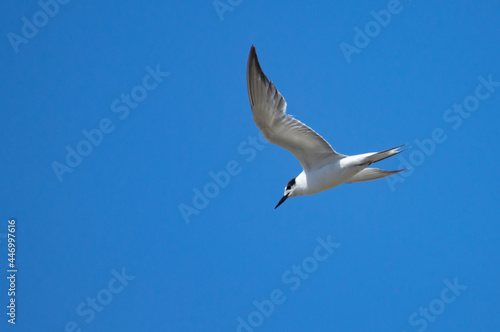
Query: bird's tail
375	157
369	174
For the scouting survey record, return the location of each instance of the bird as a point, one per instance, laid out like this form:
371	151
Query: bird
323	167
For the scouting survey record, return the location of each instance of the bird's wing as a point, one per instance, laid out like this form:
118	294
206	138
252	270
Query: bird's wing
269	114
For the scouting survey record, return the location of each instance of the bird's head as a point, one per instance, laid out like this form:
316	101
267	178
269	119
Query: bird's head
289	191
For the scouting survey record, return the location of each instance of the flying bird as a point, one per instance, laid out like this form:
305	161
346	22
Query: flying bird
323	167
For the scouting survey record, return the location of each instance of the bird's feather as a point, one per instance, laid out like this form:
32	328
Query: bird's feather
269	114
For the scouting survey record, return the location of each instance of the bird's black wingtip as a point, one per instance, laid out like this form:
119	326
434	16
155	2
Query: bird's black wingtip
253	52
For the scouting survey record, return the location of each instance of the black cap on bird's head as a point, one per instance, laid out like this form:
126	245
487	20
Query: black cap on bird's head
288	190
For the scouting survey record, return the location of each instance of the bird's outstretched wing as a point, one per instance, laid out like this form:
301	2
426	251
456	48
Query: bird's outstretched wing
269	114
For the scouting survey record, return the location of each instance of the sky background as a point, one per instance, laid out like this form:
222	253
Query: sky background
402	242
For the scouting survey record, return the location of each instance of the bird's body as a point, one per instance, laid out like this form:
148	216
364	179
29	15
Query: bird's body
324	178
336	173
329	176
324	168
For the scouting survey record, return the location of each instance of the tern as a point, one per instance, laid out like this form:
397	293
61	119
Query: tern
323	167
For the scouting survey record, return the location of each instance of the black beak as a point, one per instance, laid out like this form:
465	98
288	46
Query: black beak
282	200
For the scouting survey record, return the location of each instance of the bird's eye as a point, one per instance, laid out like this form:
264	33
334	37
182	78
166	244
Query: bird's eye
290	184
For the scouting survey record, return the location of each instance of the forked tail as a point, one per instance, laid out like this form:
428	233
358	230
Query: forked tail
369	174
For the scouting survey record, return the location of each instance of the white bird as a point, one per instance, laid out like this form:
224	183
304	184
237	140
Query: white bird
323	168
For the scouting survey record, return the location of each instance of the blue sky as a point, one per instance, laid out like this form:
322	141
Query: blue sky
119	116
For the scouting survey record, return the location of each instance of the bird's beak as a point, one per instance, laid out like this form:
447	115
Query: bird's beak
282	200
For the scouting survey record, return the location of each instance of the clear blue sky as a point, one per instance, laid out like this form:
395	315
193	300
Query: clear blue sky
117	115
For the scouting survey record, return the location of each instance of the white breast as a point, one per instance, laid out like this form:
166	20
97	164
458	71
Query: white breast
327	177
